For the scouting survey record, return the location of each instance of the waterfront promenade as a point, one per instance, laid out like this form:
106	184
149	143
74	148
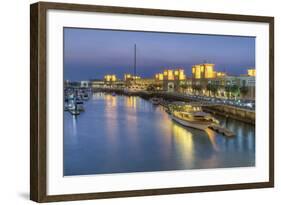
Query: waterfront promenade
219	107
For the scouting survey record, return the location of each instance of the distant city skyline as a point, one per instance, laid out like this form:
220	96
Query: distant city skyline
93	53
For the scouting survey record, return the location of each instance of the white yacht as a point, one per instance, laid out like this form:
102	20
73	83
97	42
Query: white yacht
191	116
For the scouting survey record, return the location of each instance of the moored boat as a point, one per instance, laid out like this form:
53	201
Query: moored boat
85	96
155	101
191	116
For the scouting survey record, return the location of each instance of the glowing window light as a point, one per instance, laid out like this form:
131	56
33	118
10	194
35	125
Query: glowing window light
197	71
193	70
209	71
110	78
202	68
251	72
170	75
127	76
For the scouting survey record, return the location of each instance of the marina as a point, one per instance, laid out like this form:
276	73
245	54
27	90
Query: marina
74	100
125	117
187	114
114	125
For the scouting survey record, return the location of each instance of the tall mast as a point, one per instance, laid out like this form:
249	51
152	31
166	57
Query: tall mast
135	60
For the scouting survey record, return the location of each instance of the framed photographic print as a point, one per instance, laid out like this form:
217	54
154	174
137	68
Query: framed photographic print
134	102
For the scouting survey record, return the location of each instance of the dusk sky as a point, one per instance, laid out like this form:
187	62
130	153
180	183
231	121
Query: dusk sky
93	53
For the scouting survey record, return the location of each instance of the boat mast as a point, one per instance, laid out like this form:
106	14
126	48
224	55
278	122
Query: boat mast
135	60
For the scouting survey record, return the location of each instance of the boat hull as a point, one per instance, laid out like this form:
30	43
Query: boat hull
190	124
155	101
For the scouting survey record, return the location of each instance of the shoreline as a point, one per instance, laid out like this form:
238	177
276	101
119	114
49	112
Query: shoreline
244	115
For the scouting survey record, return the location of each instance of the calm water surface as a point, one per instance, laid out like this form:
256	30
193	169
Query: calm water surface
128	134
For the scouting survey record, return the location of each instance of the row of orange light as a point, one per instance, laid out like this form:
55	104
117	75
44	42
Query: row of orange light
113	78
198	71
131	77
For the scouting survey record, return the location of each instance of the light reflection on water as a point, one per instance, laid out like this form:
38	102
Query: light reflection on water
128	134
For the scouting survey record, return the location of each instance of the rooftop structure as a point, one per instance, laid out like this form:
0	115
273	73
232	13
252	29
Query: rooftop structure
169	74
206	71
110	78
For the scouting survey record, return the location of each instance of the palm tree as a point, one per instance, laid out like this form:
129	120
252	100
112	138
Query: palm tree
234	90
184	87
197	88
214	89
244	90
227	89
209	88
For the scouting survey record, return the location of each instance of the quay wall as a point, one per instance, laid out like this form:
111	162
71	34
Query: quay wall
233	112
236	113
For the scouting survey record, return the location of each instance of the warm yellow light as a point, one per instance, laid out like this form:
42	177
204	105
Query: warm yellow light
209	71
181	75
127	76
202	68
220	74
170	75
110	78
197	71
252	72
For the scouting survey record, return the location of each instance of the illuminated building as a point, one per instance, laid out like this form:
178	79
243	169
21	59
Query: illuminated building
177	74
159	76
206	71
168	75
110	78
128	77
172	78
220	74
240	81
251	72
209	71
196	71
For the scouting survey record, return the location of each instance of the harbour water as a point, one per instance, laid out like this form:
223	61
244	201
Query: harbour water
121	134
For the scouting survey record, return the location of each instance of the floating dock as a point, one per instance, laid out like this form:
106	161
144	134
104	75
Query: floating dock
222	130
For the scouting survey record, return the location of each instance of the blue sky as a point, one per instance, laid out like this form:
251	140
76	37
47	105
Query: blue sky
92	53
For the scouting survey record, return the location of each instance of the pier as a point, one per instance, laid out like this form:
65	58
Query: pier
222	130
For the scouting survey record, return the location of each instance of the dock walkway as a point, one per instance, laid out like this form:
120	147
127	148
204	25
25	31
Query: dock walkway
222	130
